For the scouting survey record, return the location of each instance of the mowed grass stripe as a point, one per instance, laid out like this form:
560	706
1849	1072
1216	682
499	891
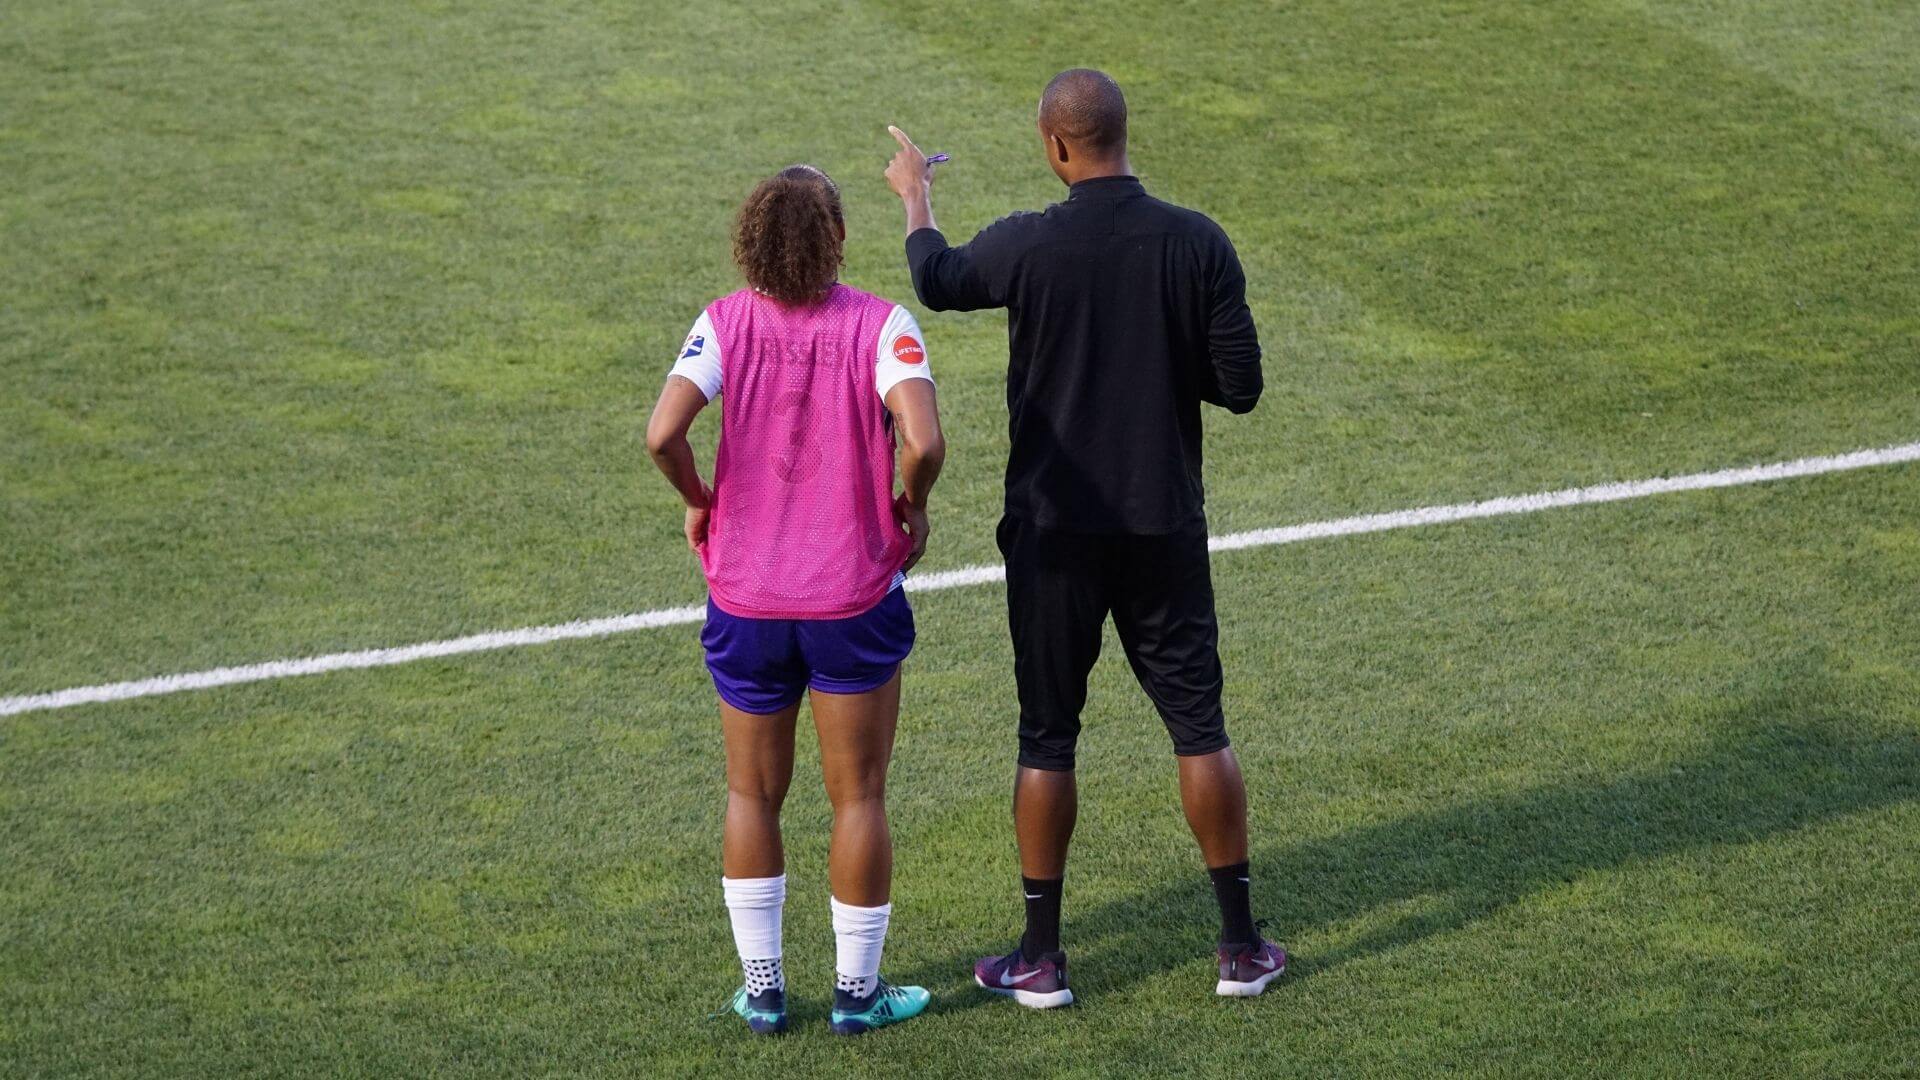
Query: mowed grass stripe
950	579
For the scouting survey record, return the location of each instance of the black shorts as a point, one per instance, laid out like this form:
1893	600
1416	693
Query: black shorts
1060	588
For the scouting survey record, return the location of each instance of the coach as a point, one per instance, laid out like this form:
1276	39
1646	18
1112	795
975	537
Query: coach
1124	314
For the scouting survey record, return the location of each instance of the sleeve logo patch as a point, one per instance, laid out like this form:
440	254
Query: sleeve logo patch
907	350
695	344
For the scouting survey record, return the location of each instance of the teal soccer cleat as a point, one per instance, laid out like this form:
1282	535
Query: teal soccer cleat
888	1004
765	1013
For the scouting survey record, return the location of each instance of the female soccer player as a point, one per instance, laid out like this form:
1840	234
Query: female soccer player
805	548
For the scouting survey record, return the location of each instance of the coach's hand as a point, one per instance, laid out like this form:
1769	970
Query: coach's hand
914	520
908	174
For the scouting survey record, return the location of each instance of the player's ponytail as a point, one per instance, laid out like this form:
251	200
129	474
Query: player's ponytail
790	234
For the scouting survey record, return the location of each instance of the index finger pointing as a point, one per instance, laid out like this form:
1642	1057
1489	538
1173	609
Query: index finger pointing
901	136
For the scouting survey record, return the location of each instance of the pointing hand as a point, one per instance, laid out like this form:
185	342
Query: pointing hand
908	174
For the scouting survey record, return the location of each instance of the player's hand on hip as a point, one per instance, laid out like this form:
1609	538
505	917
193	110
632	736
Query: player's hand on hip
697	528
908	174
697	519
914	520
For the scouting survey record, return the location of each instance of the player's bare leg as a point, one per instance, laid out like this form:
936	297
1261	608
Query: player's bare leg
856	745
759	770
752	859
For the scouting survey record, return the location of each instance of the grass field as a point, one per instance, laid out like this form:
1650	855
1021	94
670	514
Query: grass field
333	326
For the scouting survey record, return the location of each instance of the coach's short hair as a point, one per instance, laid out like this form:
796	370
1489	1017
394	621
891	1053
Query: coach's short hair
1085	107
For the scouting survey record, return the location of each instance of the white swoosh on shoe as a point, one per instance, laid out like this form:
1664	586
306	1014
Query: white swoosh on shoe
1008	978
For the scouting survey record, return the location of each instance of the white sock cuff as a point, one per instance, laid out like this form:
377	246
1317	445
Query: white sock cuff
860	935
848	919
755	907
755	892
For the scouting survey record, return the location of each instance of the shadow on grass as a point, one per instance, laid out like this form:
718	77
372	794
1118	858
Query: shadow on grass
1459	864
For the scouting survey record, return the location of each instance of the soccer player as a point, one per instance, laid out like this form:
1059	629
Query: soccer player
805	548
1124	314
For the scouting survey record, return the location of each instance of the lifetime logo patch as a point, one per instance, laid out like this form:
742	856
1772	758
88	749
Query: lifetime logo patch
908	350
695	343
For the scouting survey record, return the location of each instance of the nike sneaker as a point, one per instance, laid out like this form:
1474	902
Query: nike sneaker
888	1004
1245	970
1037	984
765	1012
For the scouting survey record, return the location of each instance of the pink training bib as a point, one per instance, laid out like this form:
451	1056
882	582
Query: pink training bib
803	524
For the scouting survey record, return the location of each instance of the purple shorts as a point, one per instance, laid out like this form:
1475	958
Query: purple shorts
765	665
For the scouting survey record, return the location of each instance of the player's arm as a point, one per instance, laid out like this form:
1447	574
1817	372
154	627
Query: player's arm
946	278
904	380
923	450
694	380
680	401
1233	379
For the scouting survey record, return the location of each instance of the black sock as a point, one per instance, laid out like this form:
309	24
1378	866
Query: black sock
1231	888
1043	917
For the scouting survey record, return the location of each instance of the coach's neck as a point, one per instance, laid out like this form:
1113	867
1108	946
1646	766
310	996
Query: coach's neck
1073	162
1097	170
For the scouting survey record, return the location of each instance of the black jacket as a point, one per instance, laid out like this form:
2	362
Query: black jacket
1124	314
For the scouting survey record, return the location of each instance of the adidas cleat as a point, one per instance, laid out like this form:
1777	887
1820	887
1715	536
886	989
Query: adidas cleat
765	1013
888	1004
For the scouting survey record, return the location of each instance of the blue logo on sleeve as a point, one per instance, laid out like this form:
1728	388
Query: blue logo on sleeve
695	344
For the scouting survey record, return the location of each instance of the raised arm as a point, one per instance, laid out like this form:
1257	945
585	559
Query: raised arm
681	401
1233	379
946	278
911	178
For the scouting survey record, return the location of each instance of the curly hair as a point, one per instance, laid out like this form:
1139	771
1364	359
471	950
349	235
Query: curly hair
788	240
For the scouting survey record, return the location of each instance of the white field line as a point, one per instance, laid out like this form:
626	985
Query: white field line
955	579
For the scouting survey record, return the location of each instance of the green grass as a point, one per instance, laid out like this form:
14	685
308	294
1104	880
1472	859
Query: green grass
334	326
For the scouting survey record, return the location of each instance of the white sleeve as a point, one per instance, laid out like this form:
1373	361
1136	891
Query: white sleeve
903	352
699	361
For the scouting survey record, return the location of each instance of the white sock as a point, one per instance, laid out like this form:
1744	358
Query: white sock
859	934
755	905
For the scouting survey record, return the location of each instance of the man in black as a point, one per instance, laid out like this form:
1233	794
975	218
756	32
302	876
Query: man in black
1124	314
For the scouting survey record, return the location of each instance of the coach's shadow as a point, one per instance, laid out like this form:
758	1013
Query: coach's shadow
1454	866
